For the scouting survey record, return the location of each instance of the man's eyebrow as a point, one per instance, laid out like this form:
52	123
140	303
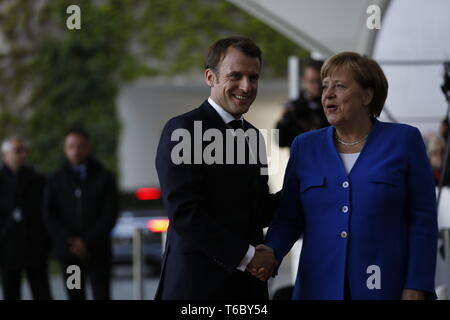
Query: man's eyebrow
239	73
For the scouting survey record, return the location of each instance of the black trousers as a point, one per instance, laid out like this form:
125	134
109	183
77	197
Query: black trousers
37	278
98	273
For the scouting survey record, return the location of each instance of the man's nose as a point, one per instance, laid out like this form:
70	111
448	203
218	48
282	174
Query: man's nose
245	84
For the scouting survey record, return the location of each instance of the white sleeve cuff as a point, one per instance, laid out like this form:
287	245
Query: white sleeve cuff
246	260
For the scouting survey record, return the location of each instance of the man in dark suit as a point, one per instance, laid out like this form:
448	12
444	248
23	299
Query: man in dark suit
24	244
80	212
217	208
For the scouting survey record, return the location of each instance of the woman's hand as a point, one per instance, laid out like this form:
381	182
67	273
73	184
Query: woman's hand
410	294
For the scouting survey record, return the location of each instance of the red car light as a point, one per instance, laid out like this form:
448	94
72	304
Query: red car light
158	225
148	193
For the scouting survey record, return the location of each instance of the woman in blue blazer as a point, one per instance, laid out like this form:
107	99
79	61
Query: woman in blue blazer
361	193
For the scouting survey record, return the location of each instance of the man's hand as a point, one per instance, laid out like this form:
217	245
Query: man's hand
263	263
410	294
78	248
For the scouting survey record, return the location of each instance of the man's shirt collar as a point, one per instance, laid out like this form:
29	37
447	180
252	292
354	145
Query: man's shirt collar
226	116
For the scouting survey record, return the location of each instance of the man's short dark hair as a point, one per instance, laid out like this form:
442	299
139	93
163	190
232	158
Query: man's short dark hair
217	51
313	64
78	131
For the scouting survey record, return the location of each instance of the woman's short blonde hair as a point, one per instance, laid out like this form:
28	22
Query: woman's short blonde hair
365	71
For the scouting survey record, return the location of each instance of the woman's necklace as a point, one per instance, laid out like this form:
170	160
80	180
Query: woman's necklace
349	144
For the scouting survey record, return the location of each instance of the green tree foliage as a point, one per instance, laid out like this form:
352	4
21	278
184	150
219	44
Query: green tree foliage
52	78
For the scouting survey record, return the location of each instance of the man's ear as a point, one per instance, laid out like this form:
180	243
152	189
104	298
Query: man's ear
210	77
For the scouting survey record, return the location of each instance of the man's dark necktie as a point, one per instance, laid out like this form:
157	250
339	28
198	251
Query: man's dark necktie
236	124
239	124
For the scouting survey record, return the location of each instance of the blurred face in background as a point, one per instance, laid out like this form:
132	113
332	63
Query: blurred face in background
311	83
15	154
443	129
436	152
76	148
436	156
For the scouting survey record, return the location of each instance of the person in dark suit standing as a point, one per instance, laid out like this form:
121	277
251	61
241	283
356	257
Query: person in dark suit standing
24	244
81	205
217	209
304	113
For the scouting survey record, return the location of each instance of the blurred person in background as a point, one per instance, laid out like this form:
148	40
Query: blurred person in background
81	206
361	193
306	112
444	128
436	152
24	243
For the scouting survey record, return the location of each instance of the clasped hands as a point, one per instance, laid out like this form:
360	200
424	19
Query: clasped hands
263	264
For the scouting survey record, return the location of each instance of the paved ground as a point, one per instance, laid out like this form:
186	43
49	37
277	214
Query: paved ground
122	286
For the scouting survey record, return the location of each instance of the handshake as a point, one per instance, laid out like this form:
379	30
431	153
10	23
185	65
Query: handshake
263	263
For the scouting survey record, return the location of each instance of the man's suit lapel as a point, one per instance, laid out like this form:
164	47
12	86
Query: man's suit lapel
212	118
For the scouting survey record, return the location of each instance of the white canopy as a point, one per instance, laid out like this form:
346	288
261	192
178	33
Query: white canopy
323	26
